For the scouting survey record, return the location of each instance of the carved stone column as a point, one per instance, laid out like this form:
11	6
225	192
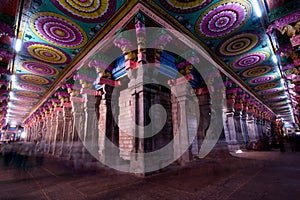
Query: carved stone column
251	125
48	133
184	119
67	129
44	129
258	122
78	126
205	117
58	132
238	122
245	125
52	131
90	138
229	126
107	126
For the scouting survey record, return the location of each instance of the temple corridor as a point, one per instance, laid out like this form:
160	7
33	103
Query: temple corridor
149	99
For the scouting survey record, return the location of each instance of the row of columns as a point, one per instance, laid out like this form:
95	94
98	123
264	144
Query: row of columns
245	120
75	125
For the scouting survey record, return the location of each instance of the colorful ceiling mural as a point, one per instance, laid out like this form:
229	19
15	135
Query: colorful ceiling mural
256	51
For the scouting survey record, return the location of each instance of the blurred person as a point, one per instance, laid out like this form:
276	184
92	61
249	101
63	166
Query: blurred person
39	152
26	151
76	156
292	141
281	143
7	153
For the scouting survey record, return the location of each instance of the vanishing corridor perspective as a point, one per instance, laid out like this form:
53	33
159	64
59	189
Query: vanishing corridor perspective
138	86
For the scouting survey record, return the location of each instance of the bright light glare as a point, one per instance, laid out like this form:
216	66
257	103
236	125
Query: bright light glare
256	8
13	124
274	58
11	94
13	78
23	135
18	45
239	151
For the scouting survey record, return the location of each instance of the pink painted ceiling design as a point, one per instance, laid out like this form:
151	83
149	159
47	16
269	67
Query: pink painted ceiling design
55	32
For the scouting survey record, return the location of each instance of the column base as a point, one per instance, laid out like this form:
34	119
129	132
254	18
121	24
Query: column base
233	146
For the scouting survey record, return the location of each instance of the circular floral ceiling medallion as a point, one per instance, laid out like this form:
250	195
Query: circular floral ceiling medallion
256	71
238	44
47	53
223	18
34	79
30	87
250	60
39	68
182	6
58	30
262	79
87	10
266	86
27	94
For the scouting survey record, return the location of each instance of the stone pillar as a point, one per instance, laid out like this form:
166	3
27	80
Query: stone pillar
238	124
205	117
140	105
34	129
67	129
44	130
52	131
245	125
125	121
251	126
258	122
229	126
108	127
58	132
28	131
90	138
78	128
184	119
39	130
48	133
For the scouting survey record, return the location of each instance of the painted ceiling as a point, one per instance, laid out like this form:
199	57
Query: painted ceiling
56	33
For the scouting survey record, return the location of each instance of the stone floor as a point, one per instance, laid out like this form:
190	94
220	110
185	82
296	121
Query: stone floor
249	175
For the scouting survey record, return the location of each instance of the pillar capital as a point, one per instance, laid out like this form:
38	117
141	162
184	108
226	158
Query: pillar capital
128	49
